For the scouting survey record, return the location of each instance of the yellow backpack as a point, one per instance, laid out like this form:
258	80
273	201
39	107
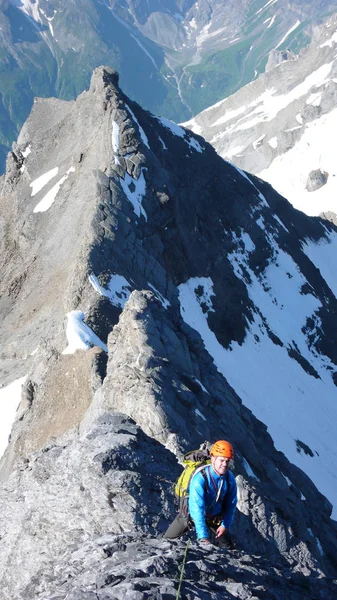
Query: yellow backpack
194	461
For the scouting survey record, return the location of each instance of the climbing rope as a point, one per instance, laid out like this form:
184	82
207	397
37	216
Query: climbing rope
182	571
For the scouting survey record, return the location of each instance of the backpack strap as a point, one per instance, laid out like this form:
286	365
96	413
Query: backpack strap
202	470
203	473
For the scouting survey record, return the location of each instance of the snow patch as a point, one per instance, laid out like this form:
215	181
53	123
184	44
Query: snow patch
331	41
193	126
260	223
280	222
115	137
248	469
199	414
26	151
273	142
141	130
41	181
202	289
290	483
265	6
288	33
135	190
79	335
272	22
229	115
235	151
160	297
162	143
323	255
314	99
180	132
202	386
319	546
117	291
257	142
50	197
260	195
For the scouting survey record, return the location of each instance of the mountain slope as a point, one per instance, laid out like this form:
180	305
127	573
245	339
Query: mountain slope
190	54
279	127
122	292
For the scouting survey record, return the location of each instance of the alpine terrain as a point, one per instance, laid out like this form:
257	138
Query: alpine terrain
190	53
281	126
154	296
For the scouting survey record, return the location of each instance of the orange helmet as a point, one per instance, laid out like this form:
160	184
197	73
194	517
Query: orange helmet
222	448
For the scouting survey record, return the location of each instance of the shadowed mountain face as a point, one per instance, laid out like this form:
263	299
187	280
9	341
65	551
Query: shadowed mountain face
279	126
154	296
175	57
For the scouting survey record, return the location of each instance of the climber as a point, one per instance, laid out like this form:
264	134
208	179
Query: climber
211	501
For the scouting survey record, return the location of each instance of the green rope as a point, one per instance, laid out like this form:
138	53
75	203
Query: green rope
182	570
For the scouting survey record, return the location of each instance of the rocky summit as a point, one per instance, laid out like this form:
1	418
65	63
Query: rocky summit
154	296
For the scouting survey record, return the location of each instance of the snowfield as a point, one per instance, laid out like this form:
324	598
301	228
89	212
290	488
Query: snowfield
271	383
288	173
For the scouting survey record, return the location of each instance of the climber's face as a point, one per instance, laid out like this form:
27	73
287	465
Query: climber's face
220	464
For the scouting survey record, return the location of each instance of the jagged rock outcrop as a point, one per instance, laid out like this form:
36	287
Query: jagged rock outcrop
130	225
316	180
330	216
276	57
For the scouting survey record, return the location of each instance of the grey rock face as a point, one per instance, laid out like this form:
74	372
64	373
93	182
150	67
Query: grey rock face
316	180
330	216
87	479
276	57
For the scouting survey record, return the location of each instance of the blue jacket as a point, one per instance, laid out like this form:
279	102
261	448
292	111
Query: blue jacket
202	501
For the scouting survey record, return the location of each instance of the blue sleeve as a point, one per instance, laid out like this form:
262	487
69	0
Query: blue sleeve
196	505
230	503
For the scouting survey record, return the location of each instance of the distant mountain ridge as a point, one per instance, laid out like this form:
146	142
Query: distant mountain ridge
280	126
175	57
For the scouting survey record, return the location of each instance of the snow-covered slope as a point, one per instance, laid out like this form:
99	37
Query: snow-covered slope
296	399
281	126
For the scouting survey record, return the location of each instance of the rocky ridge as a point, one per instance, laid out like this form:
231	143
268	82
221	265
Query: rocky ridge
87	477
